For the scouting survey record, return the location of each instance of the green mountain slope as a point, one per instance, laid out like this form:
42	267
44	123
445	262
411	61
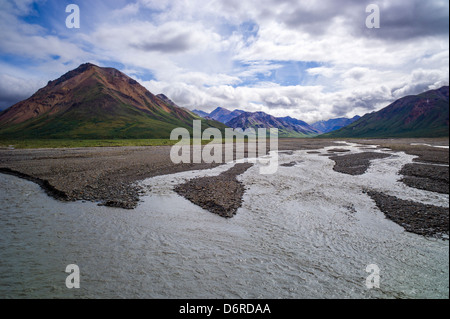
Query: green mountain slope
95	103
423	115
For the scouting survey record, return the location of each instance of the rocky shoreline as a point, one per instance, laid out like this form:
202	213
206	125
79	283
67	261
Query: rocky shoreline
45	185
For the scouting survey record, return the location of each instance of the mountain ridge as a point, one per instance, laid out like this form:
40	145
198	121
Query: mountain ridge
95	102
287	126
334	124
224	115
422	115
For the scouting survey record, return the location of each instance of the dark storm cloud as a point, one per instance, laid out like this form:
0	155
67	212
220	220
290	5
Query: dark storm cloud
368	101
176	44
16	89
414	88
374	99
316	19
10	97
400	20
7	101
404	20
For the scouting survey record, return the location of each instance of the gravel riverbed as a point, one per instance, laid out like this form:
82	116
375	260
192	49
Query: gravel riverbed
110	175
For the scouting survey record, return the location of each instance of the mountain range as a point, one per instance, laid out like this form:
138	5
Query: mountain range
92	102
334	124
223	115
288	126
422	115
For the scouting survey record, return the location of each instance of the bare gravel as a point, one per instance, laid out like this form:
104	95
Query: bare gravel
109	176
432	178
221	195
418	218
355	164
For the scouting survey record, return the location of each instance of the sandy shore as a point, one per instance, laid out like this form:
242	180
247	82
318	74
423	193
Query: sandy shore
109	175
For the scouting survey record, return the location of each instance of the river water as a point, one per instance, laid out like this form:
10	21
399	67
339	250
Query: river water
304	232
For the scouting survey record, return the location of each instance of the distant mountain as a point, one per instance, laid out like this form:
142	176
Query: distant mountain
293	121
232	115
334	124
223	115
172	103
95	102
201	113
423	115
165	99
219	113
287	126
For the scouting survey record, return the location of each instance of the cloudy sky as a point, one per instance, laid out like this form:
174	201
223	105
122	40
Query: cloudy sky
312	60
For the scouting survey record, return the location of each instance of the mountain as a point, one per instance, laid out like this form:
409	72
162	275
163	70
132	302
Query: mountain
293	121
223	115
166	100
92	102
232	115
334	124
423	115
287	126
220	114
201	113
172	103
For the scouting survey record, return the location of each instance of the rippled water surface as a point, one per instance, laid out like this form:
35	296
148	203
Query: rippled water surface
305	232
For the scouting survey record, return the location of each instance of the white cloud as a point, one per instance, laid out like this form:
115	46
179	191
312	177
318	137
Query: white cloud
32	41
14	89
323	71
227	52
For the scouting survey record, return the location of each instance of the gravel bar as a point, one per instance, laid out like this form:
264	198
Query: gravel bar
355	164
418	218
221	195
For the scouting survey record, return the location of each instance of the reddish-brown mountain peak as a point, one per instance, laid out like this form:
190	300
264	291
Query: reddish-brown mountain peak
94	102
71	74
86	66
